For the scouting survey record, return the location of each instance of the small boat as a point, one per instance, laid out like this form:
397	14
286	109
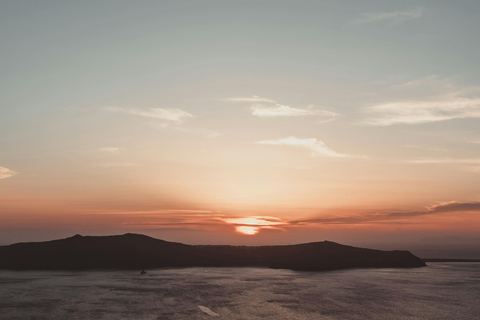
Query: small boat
143	272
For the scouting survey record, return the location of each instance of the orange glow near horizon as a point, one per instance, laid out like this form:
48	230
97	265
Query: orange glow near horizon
253	225
247	230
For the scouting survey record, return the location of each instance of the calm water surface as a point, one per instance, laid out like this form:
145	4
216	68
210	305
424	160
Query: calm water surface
440	291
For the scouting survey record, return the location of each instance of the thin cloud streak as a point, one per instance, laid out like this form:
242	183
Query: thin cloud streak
172	115
184	219
317	147
172	219
245	225
395	16
417	112
268	108
251	99
165	212
6	173
430	99
448	207
279	110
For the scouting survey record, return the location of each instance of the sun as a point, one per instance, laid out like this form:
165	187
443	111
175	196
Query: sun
253	225
247	230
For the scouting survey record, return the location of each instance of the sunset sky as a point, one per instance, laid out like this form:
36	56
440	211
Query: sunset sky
242	122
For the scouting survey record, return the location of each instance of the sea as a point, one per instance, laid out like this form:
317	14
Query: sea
440	291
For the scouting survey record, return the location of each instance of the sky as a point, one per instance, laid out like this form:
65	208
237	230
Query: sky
242	122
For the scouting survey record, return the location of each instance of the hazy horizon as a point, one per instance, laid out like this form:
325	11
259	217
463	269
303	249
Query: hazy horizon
243	122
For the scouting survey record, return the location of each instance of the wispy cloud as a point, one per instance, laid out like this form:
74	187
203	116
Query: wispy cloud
433	100
172	115
170	118
111	150
278	110
416	112
201	219
268	108
395	16
6	173
250	99
390	217
191	220
455	206
318	148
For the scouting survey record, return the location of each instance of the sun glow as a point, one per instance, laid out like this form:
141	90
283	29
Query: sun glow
253	225
247	230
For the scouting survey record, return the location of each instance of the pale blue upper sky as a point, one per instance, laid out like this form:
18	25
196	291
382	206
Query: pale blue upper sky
74	52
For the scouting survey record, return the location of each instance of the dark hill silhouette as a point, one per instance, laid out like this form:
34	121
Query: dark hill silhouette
135	251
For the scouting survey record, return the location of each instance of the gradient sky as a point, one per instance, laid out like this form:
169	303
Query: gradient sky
242	122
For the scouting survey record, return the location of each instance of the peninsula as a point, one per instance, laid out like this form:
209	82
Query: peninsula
135	251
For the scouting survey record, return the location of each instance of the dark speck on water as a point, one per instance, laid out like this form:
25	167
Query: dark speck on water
440	291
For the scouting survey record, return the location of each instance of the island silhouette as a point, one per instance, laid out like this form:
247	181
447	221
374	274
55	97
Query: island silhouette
136	251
